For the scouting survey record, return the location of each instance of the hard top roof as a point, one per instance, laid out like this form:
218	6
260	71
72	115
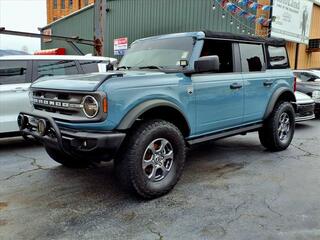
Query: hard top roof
243	37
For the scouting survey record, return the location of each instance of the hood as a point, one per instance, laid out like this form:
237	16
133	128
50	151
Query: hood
85	82
303	98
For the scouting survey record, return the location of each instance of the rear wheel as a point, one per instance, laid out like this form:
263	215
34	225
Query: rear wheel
278	130
152	159
66	160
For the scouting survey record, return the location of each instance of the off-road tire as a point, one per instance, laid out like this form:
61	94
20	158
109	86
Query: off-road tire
66	160
128	164
269	135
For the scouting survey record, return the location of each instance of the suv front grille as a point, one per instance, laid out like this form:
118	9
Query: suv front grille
62	103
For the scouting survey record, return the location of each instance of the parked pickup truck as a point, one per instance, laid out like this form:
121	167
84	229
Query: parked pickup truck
169	92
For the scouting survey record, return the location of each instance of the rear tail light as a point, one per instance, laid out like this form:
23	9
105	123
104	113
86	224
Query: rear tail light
295	84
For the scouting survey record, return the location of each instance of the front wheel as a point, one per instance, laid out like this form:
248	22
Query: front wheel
278	130
152	159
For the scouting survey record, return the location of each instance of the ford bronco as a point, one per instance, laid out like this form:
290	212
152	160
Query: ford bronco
169	92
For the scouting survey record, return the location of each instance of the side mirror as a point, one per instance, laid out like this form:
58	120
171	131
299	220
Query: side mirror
207	64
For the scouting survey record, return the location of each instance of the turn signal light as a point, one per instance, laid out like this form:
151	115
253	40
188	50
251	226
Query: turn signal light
105	105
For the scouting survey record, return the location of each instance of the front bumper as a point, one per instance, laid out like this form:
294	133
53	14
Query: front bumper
305	112
93	145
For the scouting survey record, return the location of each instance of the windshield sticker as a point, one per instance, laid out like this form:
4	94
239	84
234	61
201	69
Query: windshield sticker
184	55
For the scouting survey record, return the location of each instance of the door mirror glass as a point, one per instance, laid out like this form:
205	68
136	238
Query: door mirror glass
207	64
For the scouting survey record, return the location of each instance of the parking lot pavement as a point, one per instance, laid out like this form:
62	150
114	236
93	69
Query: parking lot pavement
230	189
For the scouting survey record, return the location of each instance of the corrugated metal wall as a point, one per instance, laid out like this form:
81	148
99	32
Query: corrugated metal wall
142	18
78	24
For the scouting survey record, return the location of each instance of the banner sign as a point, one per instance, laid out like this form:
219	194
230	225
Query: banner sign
120	46
292	20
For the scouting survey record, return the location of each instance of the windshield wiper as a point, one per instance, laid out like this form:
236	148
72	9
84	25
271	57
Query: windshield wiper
123	67
151	67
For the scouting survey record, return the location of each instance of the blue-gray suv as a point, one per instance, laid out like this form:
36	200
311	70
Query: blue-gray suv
169	92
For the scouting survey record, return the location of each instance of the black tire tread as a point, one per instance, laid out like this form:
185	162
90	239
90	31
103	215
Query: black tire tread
268	133
125	160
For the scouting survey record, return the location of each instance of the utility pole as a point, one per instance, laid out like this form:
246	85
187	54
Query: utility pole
100	18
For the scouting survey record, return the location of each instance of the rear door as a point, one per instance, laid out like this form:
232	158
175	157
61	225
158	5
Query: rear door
14	86
258	82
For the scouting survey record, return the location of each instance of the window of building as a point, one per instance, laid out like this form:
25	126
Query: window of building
63	4
85	2
13	72
52	68
55	4
70	3
278	57
223	50
252	57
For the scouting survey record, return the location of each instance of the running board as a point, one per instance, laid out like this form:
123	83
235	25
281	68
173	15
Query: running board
224	134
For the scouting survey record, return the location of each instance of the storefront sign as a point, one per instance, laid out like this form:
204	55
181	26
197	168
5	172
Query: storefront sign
120	46
292	20
316	2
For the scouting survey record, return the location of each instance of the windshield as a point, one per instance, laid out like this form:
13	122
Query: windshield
159	53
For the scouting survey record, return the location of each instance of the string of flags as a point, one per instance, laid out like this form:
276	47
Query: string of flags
234	9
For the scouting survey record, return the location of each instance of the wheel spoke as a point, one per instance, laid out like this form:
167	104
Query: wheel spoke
164	142
168	155
146	164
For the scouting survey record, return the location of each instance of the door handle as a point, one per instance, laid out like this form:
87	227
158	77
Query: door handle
268	83
235	86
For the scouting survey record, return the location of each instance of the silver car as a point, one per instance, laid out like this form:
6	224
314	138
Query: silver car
18	72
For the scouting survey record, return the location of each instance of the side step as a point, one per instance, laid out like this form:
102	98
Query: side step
224	134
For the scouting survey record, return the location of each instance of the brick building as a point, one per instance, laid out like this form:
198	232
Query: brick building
57	9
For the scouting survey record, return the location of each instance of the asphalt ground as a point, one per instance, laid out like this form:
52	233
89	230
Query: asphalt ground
231	189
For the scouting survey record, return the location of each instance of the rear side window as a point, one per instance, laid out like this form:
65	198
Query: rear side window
90	66
252	57
13	72
278	57
52	68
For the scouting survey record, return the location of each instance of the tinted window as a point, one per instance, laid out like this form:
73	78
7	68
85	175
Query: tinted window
278	57
223	50
51	68
13	72
90	66
252	57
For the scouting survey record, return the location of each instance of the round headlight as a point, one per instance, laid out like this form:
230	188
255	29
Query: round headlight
90	106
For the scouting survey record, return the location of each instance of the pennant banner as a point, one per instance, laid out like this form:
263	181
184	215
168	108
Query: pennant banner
234	9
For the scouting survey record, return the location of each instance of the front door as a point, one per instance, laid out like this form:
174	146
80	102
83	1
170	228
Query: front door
219	96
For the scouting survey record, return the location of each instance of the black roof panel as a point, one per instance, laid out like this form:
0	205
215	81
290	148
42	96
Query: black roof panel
243	37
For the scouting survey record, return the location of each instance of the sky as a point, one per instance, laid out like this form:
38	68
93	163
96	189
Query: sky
22	15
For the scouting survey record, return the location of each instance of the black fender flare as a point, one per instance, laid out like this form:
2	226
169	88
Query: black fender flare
142	108
275	97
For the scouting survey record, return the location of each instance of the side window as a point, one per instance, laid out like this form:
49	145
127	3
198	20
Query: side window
252	57
90	66
223	50
278	57
13	72
52	68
